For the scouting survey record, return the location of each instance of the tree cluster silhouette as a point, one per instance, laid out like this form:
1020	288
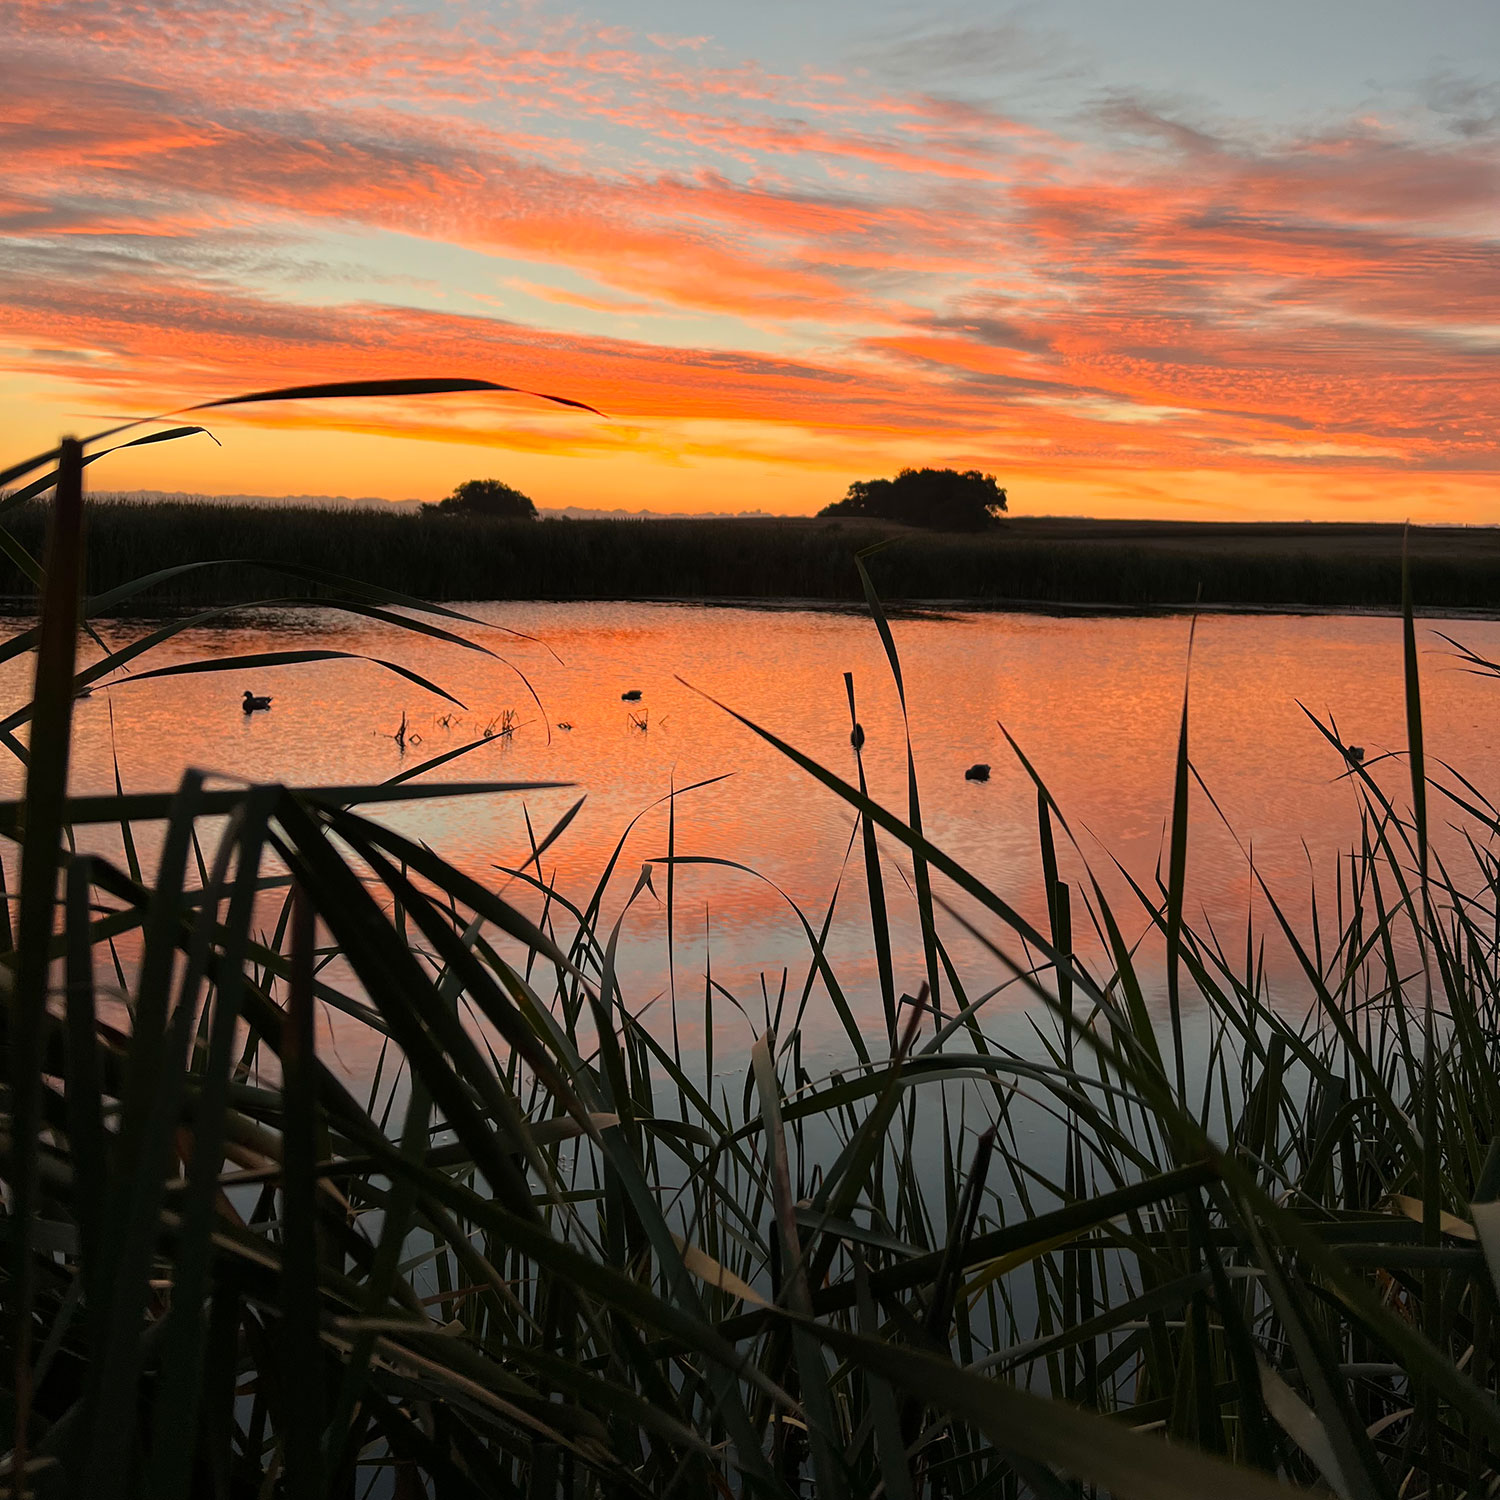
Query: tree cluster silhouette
937	499
486	497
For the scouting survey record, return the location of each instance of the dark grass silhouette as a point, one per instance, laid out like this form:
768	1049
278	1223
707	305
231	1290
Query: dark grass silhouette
1024	561
574	1257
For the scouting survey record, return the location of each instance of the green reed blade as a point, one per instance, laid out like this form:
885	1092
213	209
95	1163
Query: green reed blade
176	1407
113	661
406	998
47	481
42	825
256	661
920	875
302	1371
880	929
1071	1221
1090	1447
113	1390
1358	1466
146	807
1177	878
23	560
816	946
84	1085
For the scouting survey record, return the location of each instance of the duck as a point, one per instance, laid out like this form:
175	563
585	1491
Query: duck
250	703
977	772
633	696
563	724
857	736
1356	753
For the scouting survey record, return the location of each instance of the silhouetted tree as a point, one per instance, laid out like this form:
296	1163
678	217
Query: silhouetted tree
486	497
938	499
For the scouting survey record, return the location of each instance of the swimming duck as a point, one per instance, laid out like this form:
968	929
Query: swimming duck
633	696
980	772
250	703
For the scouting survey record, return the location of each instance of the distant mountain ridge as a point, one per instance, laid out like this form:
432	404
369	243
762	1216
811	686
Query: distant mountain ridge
374	502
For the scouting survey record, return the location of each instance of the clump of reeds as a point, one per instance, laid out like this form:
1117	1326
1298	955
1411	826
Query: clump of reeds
550	1253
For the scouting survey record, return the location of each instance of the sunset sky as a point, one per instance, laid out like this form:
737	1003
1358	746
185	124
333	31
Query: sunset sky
1166	258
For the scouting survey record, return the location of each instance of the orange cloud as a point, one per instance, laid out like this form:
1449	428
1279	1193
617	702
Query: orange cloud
270	192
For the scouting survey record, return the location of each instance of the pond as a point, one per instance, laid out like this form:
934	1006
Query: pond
1093	702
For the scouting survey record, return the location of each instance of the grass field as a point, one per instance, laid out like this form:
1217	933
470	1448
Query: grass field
1129	564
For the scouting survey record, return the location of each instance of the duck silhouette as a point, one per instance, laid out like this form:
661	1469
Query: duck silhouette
250	703
979	772
633	696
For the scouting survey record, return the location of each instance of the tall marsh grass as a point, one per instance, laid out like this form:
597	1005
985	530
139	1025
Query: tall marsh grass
1027	560
551	1251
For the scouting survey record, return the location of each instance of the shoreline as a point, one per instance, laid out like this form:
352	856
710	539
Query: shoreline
936	608
19	607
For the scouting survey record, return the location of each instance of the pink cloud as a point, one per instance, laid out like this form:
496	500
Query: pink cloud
1150	292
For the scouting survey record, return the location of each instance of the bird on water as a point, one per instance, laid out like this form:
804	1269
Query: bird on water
980	772
250	703
633	696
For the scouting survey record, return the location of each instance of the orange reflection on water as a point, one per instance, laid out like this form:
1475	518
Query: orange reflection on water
1093	702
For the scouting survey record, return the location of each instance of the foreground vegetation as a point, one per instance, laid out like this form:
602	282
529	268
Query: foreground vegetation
1022	561
548	1251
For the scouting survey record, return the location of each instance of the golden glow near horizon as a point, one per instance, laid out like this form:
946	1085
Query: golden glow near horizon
774	276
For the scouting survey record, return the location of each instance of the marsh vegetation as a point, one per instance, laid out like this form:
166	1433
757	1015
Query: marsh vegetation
1022	561
553	1248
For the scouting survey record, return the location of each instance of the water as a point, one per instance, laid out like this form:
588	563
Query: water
1094	703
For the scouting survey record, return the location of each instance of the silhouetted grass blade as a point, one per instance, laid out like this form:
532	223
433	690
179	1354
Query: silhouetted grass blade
367	389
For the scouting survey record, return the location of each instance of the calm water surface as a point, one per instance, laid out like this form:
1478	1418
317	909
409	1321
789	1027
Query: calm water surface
1093	702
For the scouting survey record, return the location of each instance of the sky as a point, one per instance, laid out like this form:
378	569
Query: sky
1199	260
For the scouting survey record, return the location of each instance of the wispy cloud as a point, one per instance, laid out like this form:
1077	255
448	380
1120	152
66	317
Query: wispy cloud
864	267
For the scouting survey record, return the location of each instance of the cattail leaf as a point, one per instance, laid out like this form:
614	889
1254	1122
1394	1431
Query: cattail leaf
1132	1465
259	660
368	389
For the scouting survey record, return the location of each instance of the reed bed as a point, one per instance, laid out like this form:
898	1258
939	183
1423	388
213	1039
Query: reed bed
1025	561
549	1251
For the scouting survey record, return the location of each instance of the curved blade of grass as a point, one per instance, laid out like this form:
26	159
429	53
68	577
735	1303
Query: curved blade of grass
365	389
1302	1424
815	945
1074	1219
24	561
1092	1448
47	481
150	807
327	390
258	660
